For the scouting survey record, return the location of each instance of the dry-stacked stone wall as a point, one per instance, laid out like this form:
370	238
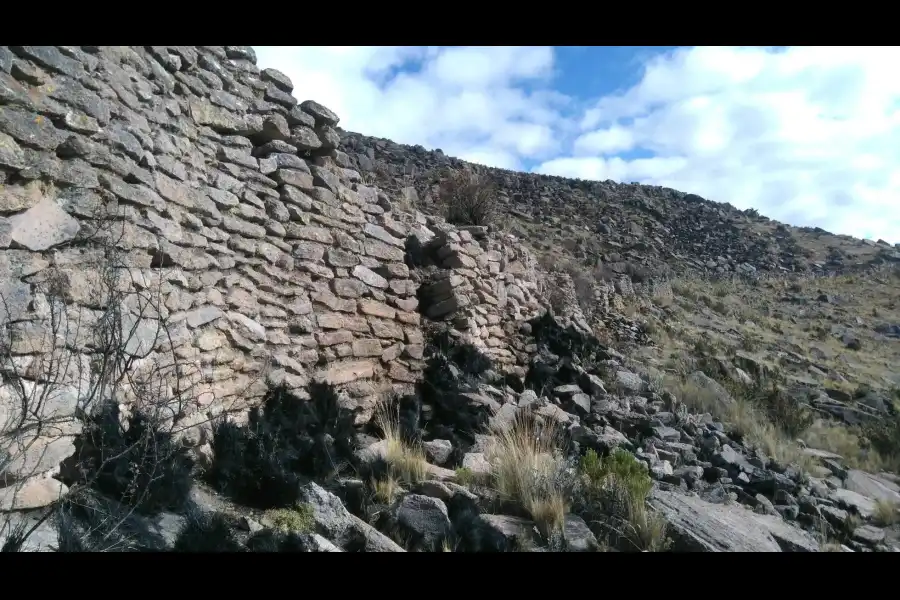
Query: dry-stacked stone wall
485	287
192	188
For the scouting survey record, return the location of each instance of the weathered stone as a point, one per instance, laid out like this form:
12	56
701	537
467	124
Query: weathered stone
319	113
33	493
30	129
702	526
369	277
313	234
342	373
247	327
365	348
15	198
424	518
11	155
278	79
43	226
335	522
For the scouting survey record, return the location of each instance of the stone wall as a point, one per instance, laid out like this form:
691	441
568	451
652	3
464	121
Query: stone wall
485	288
193	188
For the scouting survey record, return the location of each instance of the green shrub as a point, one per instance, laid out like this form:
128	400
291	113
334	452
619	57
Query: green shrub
286	440
611	493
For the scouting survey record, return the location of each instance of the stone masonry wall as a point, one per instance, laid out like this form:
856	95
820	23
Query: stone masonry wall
228	201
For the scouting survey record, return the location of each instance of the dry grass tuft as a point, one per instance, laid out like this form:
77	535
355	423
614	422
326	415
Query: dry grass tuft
886	513
386	489
526	465
843	441
831	547
744	417
406	460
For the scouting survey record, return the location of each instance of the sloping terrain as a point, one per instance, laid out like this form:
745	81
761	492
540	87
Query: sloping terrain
625	225
228	325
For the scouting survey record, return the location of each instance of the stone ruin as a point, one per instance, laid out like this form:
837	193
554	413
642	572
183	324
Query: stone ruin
218	214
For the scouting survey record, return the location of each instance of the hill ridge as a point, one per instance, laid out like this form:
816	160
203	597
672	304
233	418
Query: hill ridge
418	166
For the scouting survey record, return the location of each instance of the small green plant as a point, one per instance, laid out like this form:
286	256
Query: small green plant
298	519
613	492
464	476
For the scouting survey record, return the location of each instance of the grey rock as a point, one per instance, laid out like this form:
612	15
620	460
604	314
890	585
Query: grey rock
869	535
51	58
16	298
334	522
872	486
629	382
30	129
424	518
321	114
438	451
579	537
702	526
11	154
43	226
278	79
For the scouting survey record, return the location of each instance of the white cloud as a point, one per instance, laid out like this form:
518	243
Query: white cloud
467	101
605	141
809	136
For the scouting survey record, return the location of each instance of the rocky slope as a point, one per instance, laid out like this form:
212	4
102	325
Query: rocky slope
622	224
208	298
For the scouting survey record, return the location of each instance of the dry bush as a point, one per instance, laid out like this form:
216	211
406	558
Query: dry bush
86	359
468	198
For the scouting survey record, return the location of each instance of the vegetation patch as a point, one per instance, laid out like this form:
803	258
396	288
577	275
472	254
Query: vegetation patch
285	441
611	494
207	532
135	461
468	198
527	470
298	519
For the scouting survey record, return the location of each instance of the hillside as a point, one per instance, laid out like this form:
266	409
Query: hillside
799	296
627	226
228	325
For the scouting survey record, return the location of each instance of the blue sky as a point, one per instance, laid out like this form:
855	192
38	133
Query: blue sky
809	136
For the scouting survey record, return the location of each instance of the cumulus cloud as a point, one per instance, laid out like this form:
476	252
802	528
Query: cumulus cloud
490	105
810	136
806	135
